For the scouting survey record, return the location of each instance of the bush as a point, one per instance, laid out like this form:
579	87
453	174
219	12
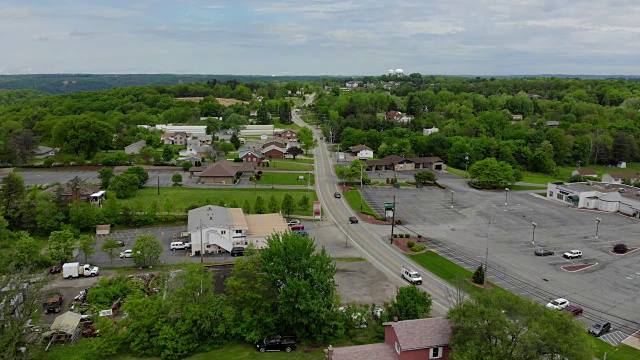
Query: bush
238	160
407	235
399	222
411	244
620	248
478	276
418	248
419	236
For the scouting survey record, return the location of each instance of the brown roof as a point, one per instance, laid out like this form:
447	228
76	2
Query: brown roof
103	227
277	143
365	352
425	160
359	148
422	333
624	176
67	191
224	168
391	159
587	172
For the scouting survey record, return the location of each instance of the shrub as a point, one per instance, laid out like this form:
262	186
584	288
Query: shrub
238	160
478	276
388	181
419	236
407	235
411	244
399	222
418	248
620	248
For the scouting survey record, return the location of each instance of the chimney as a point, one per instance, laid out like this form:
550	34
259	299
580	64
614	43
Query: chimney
329	352
395	319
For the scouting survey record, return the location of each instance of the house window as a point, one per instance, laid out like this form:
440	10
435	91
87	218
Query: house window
397	347
436	353
551	193
238	231
560	196
223	232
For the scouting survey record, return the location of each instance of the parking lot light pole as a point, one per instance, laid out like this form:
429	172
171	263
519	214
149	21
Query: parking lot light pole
452	192
533	236
506	196
597	226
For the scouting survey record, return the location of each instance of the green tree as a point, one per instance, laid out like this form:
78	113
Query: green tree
26	250
87	246
83	215
304	203
478	275
263	117
288	206
25	145
61	245
124	185
500	325
82	135
303	282
147	154
140	173
234	204
235	141
167	153
285	113
491	173
176	179
146	250
410	303
105	175
295	151
12	192
258	207
226	147
274	206
423	177
307	140
111	248
246	207
186	165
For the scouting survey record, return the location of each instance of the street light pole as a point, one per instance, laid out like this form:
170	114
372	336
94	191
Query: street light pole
506	196
597	226
452	192
533	236
486	256
360	187
393	219
466	164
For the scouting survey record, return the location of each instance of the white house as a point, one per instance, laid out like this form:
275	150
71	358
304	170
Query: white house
361	152
585	172
427	132
617	178
597	196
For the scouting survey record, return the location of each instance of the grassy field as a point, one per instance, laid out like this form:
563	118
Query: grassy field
279	125
622	352
284	178
455	171
177	199
292	165
353	197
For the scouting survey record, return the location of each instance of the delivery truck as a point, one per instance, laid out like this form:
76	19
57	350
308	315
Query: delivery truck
73	270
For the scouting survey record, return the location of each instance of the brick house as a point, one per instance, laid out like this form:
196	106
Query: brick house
251	156
287	134
403	340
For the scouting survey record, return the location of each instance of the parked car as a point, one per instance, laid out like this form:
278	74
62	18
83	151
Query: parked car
126	254
187	245
572	254
237	251
358	319
301	232
620	248
353	219
600	328
178	245
120	242
297	227
543	252
337	195
277	343
574	309
558	304
293	222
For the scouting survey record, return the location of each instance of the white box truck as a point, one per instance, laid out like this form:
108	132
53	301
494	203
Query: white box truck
73	270
411	276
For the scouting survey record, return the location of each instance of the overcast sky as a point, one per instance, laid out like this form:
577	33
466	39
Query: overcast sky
309	37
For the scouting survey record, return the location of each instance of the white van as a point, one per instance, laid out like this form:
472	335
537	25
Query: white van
178	245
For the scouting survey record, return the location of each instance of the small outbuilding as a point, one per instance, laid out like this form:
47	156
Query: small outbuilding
103	229
65	328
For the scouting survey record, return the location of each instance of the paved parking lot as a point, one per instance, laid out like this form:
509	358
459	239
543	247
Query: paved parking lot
90	177
610	289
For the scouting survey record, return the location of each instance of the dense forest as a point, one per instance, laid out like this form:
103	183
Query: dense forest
532	124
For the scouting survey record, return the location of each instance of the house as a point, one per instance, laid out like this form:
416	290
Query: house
202	140
516	117
361	152
552	123
617	178
43	152
180	138
585	172
224	172
593	195
431	163
193	159
403	340
274	150
287	134
83	193
135	147
398	163
427	132
215	229
251	155
397	116
353	84
405	118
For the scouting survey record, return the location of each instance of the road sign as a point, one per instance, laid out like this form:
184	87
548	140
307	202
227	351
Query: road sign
317	210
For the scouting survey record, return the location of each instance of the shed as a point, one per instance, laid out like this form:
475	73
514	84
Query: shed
65	328
103	229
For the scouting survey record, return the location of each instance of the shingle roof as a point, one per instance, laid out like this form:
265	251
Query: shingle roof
425	160
365	352
422	333
359	148
624	176
209	215
139	144
391	159
219	169
587	172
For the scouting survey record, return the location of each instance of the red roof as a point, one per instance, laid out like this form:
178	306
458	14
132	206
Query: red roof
624	176
587	172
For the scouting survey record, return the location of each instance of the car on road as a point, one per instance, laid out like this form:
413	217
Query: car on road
337	195
572	254
600	328
301	232
277	343
543	252
558	304
126	254
353	219
293	222
574	309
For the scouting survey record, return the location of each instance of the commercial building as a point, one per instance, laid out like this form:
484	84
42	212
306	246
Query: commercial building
614	198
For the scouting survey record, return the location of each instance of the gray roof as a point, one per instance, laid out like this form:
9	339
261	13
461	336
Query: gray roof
41	150
139	144
422	333
210	215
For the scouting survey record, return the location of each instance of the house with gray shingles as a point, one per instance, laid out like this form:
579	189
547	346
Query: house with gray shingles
135	147
43	152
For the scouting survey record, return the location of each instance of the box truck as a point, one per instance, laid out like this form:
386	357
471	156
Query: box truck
73	270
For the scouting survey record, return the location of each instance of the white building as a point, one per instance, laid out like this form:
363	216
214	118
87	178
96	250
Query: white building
362	152
597	196
427	132
257	130
190	129
617	178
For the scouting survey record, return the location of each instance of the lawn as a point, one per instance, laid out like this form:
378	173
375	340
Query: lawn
299	164
179	200
354	198
458	172
284	178
622	352
279	125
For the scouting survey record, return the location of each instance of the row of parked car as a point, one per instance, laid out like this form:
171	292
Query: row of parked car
598	329
571	254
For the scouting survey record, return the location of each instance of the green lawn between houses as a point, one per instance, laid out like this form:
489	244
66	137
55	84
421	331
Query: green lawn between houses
178	199
299	164
285	178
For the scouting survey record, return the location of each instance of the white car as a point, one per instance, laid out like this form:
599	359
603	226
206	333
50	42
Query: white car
558	304
126	254
293	222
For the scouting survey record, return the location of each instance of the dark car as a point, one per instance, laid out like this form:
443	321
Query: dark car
600	328
574	309
543	252
337	195
277	343
353	219
237	251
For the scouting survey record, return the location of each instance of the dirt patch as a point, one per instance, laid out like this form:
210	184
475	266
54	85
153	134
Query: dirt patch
401	243
574	268
482	286
629	250
371	219
362	283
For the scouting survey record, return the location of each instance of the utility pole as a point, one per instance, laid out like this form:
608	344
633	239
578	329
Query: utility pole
361	189
486	256
201	244
393	219
158	184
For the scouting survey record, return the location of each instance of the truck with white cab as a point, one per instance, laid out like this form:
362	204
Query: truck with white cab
73	270
411	276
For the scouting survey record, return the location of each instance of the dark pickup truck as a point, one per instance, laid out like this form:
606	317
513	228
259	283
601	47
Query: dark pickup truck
277	343
53	303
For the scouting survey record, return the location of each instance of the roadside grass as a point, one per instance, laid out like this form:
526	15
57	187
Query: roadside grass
455	171
231	155
284	178
537	178
526	187
621	352
348	259
291	165
354	197
179	199
298	160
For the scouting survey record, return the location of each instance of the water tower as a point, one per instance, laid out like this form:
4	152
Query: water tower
399	72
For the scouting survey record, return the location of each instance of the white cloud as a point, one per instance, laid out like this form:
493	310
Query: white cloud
412	28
